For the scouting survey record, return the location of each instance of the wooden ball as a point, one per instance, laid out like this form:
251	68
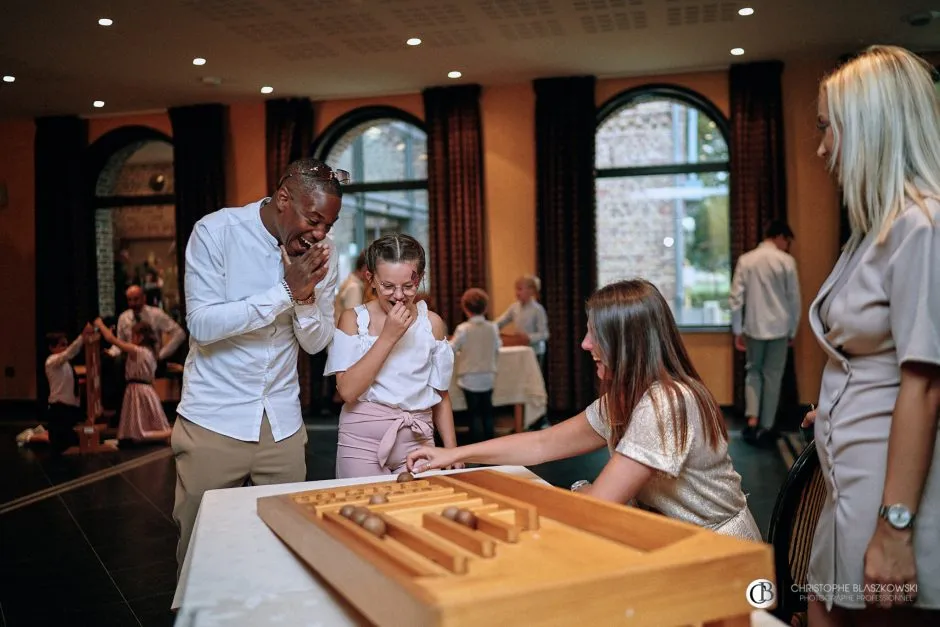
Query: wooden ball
359	515
375	526
467	518
347	511
378	499
405	477
450	512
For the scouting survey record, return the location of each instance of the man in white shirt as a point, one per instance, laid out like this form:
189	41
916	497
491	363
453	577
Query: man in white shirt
260	281
765	311
162	324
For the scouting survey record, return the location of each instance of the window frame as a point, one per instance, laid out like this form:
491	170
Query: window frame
690	98
327	140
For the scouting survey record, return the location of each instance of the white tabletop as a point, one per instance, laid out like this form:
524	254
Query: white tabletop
239	573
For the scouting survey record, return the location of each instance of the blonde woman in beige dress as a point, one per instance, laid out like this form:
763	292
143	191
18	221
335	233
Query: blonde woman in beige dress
877	318
664	430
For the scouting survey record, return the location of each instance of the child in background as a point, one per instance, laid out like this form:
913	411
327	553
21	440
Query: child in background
476	344
142	415
65	407
393	367
528	317
665	432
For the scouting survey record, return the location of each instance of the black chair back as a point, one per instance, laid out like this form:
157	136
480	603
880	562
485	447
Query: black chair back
792	528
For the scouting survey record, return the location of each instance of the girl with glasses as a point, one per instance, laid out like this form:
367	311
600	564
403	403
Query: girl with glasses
393	366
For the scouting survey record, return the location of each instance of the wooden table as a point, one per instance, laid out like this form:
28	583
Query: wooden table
238	573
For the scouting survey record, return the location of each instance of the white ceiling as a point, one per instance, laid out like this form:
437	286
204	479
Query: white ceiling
326	49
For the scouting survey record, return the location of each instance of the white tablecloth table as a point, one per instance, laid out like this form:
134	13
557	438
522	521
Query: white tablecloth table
238	573
519	382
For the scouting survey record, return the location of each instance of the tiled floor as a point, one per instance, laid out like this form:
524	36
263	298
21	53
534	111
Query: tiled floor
104	554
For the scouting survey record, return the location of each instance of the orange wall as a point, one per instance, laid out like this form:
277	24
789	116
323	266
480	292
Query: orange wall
17	261
508	114
812	209
245	172
326	111
99	126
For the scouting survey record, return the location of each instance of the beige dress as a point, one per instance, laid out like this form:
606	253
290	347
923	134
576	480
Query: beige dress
879	308
693	482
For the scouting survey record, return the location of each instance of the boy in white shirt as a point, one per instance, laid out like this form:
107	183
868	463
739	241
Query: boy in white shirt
476	344
65	407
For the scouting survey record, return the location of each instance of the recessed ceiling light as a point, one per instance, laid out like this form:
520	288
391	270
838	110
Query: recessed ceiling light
267	89
105	21
737	51
414	41
97	104
8	78
745	11
199	61
454	74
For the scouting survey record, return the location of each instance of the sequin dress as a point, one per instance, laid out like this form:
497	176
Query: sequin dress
693	482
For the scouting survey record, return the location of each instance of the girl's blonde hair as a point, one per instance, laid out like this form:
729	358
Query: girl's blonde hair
885	120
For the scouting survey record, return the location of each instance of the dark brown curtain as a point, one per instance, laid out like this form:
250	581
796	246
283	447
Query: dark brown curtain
564	146
199	148
455	197
758	184
66	285
288	136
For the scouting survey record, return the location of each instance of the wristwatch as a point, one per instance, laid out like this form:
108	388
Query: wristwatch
577	485
897	515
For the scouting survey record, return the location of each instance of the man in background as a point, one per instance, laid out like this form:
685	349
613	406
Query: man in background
163	325
352	291
765	311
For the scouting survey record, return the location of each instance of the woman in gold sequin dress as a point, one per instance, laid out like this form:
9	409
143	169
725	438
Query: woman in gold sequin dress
663	428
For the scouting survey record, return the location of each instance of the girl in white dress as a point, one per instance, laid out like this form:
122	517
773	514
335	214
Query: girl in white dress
142	415
393	367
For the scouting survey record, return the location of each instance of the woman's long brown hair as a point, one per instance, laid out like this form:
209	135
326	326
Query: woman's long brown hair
640	345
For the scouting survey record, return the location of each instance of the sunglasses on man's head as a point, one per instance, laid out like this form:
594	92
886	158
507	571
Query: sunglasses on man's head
321	172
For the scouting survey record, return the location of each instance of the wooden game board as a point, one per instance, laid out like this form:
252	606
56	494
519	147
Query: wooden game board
539	556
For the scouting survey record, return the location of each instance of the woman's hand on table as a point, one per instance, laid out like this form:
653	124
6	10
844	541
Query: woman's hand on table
432	458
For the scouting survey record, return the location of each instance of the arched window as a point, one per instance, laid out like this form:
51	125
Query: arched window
135	222
385	151
662	199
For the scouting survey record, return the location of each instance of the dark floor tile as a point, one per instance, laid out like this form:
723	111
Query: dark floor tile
117	614
41	531
156	483
146	580
122	524
143	552
45	590
105	493
29	480
154	611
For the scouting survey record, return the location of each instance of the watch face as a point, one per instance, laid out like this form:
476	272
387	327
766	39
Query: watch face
899	516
